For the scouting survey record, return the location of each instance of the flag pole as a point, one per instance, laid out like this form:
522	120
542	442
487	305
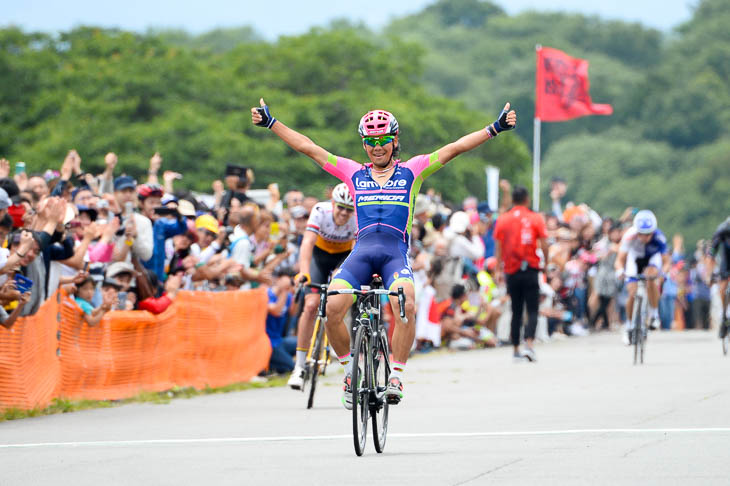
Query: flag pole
536	154
536	166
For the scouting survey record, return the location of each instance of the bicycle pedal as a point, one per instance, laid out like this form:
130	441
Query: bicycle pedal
392	400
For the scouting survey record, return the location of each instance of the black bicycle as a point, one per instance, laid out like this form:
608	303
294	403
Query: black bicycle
370	362
724	323
318	354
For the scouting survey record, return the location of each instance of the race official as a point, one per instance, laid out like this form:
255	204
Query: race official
517	235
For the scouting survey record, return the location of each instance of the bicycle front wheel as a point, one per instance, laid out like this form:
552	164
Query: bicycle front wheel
360	389
636	331
725	341
379	406
316	359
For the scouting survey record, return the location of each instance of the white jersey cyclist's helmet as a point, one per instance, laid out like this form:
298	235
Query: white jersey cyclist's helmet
341	195
645	222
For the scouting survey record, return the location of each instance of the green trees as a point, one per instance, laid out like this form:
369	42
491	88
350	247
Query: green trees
107	90
670	94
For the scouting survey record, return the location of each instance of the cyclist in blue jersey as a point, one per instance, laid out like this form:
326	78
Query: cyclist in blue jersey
642	251
384	192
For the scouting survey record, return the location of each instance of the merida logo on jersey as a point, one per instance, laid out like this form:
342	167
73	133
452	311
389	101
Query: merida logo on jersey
365	184
381	197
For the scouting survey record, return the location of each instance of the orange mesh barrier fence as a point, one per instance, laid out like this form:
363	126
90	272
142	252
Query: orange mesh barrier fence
29	366
221	337
202	339
128	352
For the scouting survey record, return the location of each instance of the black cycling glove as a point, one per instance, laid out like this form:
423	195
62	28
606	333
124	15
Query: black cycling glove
500	125
266	119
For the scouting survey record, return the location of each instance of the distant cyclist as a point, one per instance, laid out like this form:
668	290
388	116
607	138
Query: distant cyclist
642	251
329	237
720	265
385	192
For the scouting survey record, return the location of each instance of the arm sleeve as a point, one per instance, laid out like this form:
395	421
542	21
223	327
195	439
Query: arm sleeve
45	240
144	243
155	305
172	227
63	251
313	223
206	254
106	186
58	189
540	227
423	166
101	252
341	168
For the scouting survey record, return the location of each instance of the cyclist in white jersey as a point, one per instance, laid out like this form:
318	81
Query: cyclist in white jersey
642	251
329	237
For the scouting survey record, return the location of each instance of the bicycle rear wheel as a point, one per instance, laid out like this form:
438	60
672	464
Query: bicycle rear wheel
360	390
379	406
316	359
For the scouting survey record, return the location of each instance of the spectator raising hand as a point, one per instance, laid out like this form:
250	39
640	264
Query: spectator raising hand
4	168
155	164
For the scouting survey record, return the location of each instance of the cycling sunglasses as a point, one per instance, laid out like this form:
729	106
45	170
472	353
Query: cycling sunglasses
345	208
384	140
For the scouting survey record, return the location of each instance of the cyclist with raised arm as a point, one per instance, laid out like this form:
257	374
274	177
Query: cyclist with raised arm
328	239
719	263
642	251
385	192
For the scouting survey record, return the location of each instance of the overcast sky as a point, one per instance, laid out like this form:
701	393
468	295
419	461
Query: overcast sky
273	18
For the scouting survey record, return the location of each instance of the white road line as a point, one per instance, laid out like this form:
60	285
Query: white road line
244	440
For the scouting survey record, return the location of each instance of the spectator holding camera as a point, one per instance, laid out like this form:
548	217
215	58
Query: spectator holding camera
136	237
168	221
12	298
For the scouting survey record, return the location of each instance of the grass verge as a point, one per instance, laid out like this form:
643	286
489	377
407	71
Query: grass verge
62	405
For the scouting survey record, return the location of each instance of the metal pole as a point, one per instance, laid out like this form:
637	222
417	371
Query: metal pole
536	166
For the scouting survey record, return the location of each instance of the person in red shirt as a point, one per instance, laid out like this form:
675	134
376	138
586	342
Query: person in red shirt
517	235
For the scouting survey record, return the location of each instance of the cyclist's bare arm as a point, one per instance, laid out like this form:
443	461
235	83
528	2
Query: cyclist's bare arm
305	252
620	262
475	139
292	138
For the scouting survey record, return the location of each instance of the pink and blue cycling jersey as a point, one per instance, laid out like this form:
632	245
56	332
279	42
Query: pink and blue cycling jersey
384	215
388	208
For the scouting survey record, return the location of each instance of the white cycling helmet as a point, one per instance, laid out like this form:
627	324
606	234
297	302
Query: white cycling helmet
341	195
645	222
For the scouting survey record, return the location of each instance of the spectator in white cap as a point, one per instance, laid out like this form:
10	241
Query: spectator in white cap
464	243
5	203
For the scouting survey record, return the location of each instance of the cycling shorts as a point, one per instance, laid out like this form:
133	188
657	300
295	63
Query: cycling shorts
323	264
636	266
376	253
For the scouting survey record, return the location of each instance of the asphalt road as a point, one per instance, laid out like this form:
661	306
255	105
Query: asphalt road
584	414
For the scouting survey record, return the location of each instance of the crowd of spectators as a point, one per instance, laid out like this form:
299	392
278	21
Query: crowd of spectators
115	243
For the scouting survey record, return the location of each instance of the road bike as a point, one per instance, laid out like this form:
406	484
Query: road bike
725	323
370	362
640	318
318	354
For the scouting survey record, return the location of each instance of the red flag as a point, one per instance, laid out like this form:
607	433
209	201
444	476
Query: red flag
562	88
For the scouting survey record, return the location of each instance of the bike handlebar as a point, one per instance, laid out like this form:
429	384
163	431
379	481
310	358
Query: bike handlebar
324	293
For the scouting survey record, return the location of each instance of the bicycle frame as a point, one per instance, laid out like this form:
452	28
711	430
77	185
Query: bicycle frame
368	348
640	317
